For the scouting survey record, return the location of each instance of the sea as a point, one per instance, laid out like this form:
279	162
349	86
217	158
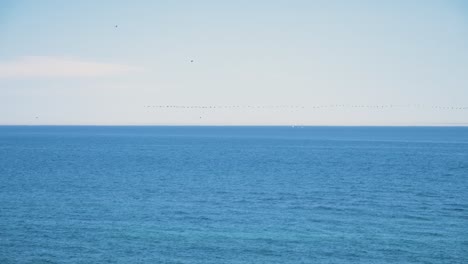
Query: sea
195	194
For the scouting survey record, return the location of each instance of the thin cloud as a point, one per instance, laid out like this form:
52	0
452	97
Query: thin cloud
46	66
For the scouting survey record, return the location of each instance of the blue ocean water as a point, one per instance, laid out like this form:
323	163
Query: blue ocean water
233	194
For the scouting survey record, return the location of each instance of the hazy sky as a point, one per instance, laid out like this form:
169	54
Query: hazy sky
65	62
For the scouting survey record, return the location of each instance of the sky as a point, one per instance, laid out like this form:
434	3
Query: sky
104	62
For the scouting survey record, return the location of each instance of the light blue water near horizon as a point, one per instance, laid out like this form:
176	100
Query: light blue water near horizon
233	194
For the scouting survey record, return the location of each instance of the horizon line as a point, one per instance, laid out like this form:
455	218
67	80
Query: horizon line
238	125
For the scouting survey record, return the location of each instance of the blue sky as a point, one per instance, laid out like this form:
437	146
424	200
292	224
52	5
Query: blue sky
65	62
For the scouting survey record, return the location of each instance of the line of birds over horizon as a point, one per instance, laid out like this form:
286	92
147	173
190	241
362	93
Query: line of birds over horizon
304	107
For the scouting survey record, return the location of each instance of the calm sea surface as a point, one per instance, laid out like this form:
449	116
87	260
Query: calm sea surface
233	195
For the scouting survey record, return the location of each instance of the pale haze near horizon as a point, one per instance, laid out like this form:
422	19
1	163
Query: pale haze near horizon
103	62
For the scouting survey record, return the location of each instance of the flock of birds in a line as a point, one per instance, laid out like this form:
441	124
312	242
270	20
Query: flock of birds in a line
335	106
304	107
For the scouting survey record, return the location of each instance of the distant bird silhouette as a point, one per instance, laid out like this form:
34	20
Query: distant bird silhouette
191	60
116	26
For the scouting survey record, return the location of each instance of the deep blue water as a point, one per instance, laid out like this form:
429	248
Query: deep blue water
233	195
